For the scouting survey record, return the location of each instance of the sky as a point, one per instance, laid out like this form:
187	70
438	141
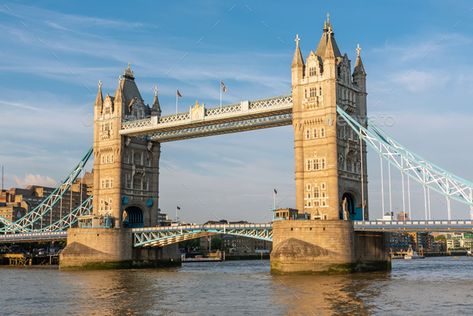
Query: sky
52	54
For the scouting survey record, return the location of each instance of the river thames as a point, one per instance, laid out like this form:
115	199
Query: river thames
432	286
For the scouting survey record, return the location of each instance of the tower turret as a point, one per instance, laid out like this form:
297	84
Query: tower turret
359	73
297	63
99	99
156	108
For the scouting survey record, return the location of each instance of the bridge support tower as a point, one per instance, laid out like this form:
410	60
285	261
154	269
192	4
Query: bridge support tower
126	187
330	168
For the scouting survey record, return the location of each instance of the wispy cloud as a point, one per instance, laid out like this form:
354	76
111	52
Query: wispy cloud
34	179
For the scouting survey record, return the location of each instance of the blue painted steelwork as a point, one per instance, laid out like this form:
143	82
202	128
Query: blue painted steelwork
26	223
162	236
419	169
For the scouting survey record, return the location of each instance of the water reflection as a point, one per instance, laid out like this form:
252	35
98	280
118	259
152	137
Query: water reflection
430	286
324	295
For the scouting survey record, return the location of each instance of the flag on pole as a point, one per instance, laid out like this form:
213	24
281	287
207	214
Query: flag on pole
178	94
223	86
275	191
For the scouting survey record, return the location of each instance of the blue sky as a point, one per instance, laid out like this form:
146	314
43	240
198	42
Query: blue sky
52	53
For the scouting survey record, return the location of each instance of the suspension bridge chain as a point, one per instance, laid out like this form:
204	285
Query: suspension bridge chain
26	223
429	175
71	218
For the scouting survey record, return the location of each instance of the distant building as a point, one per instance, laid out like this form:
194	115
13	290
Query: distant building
418	241
459	241
402	216
163	219
400	241
16	202
241	246
388	216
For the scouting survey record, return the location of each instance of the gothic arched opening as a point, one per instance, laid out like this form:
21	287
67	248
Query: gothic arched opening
348	205
133	217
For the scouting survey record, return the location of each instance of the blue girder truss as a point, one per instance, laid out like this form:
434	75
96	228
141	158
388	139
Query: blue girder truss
38	214
163	236
421	170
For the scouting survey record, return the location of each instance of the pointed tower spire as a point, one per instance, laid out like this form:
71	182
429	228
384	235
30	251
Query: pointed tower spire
156	108
297	60
99	98
129	73
327	35
359	68
330	50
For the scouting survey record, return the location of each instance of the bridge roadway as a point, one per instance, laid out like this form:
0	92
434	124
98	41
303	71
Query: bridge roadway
166	235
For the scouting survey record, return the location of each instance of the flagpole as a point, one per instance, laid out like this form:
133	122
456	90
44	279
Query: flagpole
221	94
274	200
177	100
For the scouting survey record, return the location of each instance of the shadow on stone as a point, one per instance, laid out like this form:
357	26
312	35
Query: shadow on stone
297	248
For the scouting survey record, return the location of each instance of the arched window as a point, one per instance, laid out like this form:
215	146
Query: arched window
322	132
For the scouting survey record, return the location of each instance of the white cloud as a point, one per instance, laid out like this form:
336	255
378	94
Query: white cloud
34	179
420	81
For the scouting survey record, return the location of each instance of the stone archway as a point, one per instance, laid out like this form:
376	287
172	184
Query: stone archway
133	217
348	204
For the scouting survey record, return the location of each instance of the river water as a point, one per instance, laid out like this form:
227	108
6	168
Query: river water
433	286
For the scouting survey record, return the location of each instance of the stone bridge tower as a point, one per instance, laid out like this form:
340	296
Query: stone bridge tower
330	168
126	187
330	161
126	170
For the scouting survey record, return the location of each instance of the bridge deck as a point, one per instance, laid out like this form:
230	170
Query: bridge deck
415	226
147	236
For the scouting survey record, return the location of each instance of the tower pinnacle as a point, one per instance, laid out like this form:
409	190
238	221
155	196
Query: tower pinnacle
129	73
99	98
359	68
297	60
156	108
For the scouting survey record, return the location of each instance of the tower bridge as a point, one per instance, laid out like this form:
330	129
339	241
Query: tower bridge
327	108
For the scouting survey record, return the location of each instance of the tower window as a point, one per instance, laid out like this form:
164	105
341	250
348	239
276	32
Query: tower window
307	134
309	162
313	92
320	90
322	163
312	71
315	133
322	132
